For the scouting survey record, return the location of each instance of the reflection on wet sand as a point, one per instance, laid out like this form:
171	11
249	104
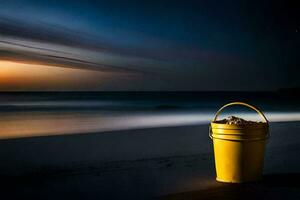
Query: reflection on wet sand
33	124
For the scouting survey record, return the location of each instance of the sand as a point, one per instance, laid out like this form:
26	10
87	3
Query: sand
159	163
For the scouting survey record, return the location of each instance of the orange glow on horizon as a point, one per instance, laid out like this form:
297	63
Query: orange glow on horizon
27	76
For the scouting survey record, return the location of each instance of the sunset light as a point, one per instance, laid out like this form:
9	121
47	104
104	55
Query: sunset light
17	76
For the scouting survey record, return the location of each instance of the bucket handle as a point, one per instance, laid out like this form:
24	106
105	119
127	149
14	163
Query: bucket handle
243	104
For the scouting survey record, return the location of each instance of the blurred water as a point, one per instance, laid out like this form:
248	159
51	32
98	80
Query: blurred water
43	114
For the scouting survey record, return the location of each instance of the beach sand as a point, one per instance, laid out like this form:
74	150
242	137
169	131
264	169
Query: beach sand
154	163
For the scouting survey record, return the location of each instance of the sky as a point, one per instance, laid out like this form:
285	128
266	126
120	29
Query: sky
71	45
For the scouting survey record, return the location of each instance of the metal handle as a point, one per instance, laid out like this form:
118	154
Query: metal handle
243	104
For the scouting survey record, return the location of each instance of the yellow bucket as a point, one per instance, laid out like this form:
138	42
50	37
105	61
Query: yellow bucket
239	149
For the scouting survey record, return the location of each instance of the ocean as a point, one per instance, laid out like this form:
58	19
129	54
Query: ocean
30	114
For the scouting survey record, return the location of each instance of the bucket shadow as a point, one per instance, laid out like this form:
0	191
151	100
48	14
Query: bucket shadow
275	186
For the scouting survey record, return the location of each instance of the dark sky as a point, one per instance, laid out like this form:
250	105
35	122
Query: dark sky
149	45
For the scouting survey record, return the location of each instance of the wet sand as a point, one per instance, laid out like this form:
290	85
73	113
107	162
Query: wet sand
155	163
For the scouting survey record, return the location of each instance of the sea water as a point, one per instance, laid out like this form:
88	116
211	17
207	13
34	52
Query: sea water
28	114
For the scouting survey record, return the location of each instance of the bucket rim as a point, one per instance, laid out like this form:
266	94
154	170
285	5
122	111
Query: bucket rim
260	125
240	137
244	132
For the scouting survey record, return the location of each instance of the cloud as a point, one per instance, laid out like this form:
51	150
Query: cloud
49	44
60	61
54	34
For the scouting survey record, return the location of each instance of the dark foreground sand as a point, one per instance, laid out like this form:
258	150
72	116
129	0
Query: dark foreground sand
159	163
